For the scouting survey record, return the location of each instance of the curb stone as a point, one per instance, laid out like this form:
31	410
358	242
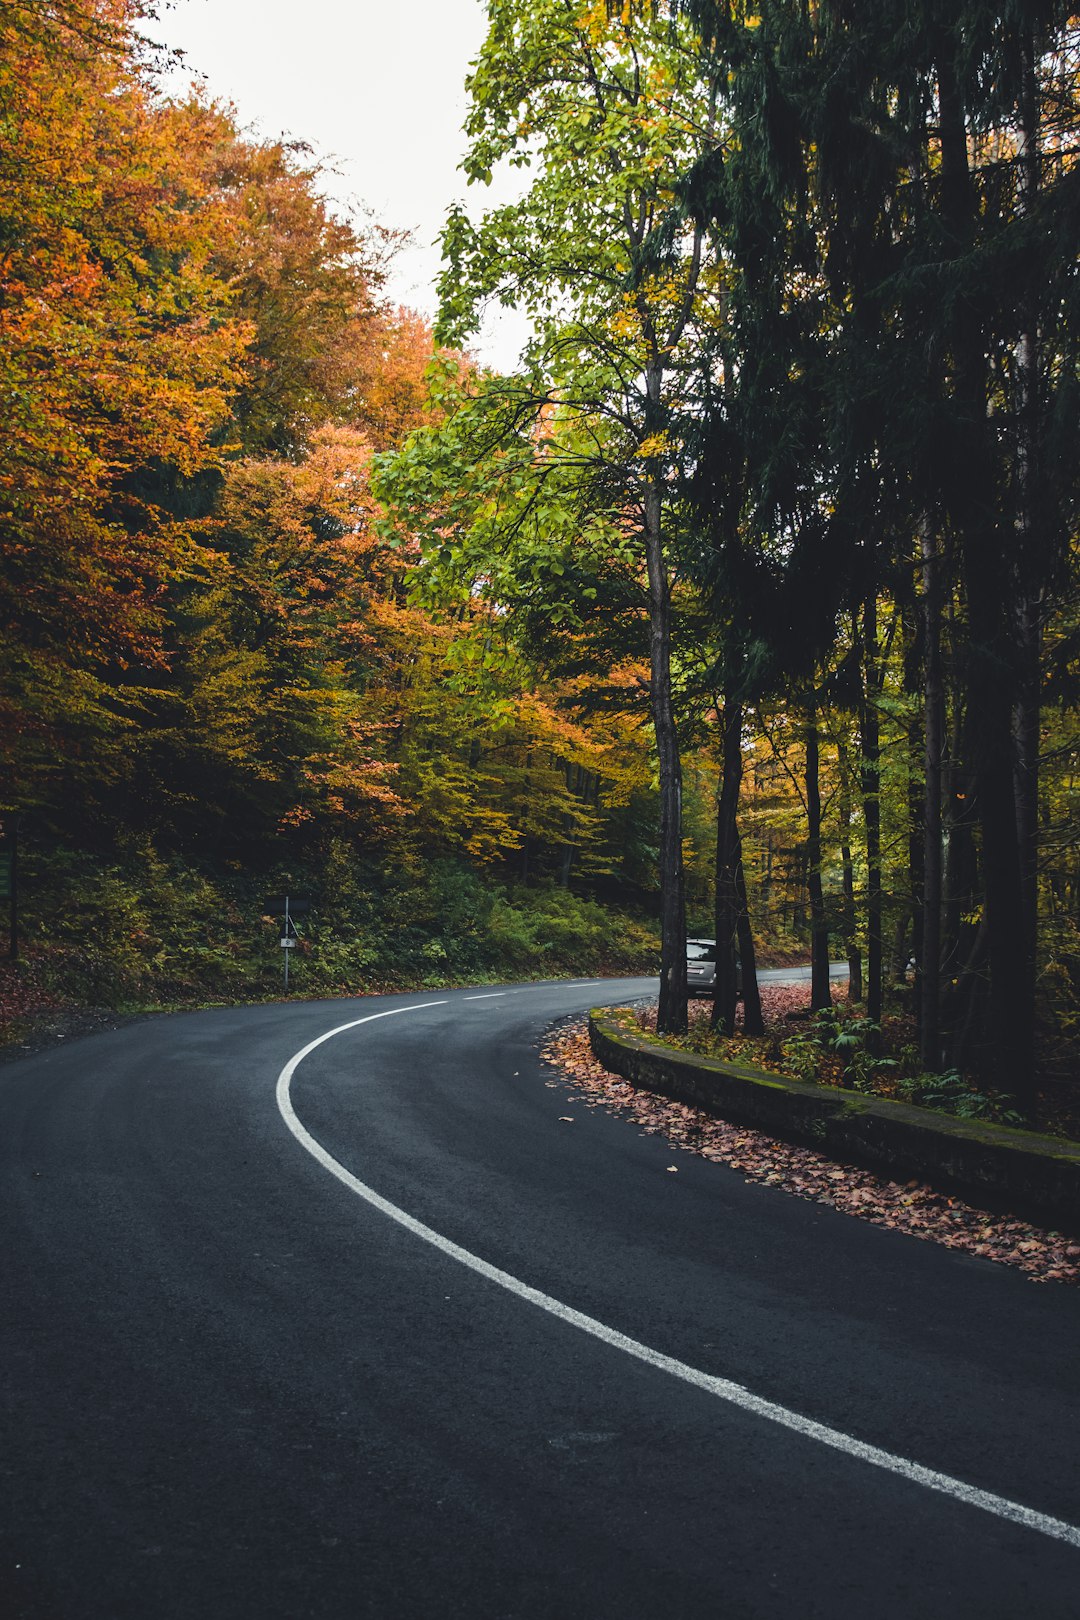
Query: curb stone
1034	1176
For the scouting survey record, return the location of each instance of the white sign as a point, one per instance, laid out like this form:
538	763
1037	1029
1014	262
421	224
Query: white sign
288	944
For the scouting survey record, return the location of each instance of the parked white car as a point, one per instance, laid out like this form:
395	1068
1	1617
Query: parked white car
701	968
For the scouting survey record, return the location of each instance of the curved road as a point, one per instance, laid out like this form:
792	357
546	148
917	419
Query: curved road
360	1335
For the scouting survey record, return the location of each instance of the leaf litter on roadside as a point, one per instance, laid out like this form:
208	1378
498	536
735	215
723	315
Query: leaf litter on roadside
911	1207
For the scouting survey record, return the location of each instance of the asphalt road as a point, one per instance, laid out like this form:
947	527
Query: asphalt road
233	1385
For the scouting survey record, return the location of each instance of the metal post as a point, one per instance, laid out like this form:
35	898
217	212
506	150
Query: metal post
287	936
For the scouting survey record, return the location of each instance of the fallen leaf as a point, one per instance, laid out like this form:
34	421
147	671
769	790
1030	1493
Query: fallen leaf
912	1208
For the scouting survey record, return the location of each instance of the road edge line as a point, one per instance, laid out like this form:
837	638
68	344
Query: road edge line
722	1388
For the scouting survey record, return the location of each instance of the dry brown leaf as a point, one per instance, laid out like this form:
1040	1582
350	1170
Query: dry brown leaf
913	1207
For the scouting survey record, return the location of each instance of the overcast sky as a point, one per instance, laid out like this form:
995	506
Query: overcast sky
377	88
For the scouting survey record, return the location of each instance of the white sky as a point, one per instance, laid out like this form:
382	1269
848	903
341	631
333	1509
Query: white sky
376	87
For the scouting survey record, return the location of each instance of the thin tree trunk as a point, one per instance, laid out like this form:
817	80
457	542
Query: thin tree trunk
527	794
870	743
962	982
671	1014
766	892
566	859
725	995
911	947
1029	566
959	885
930	1037
753	1022
820	988
850	918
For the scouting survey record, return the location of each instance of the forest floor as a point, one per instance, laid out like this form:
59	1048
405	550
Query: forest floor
34	1017
912	1207
793	1045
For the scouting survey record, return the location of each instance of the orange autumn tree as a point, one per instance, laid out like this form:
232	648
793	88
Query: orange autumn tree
309	282
119	347
172	296
213	660
268	725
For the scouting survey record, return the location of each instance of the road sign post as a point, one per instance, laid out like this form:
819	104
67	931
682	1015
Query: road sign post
287	940
290	907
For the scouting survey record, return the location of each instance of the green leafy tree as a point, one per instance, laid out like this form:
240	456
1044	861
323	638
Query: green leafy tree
602	106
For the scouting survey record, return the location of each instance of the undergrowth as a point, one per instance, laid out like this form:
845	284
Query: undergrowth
839	1046
148	931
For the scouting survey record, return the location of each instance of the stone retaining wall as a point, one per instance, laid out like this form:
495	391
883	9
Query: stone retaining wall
1036	1177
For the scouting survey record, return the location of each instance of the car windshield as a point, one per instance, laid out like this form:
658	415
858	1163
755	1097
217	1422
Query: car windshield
700	950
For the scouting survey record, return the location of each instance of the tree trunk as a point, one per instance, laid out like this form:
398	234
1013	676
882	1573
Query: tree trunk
991	664
566	859
870	743
671	1014
963	976
930	1035
753	1022
909	947
1029	566
820	988
526	795
766	891
850	917
725	995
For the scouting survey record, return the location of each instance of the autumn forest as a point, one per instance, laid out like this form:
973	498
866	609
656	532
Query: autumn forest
744	606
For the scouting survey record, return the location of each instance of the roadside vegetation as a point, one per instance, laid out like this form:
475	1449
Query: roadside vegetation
117	940
839	1046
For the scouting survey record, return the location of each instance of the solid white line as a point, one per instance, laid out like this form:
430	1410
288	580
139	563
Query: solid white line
724	1389
490	996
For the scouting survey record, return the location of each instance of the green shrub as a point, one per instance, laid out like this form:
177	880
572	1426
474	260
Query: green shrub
149	930
951	1093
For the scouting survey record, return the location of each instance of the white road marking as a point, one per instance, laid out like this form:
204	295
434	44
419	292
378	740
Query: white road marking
490	996
723	1388
567	984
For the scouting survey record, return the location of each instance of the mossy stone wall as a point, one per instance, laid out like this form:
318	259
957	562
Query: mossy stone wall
1037	1177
